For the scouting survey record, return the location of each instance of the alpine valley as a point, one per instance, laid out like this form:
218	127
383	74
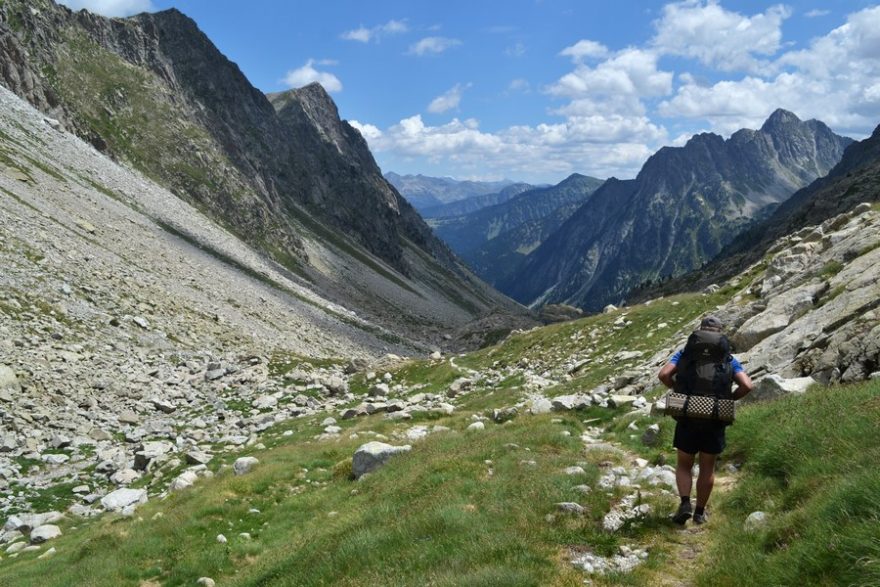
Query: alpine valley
233	352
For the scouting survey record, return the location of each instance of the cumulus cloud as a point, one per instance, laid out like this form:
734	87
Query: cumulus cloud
365	35
816	12
598	145
307	74
433	45
631	72
584	49
111	7
448	100
834	79
726	40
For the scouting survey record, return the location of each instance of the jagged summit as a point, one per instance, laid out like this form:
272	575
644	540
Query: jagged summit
780	117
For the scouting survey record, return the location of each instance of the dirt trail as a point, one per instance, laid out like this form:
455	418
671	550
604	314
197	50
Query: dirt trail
686	548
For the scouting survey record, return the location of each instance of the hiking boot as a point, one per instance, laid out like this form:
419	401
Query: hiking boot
701	518
683	514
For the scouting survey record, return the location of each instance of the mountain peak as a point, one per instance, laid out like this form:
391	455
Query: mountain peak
780	118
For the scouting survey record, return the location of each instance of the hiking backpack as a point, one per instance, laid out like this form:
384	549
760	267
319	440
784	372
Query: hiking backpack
705	368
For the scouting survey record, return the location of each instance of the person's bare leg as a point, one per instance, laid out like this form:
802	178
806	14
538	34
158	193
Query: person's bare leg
684	475
705	480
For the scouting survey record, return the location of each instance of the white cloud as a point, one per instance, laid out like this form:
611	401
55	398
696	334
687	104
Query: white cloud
369	131
583	49
433	45
519	85
111	7
518	49
365	35
598	145
448	100
834	80
307	74
816	12
631	72
726	40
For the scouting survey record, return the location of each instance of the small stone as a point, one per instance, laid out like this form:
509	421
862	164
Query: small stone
569	507
755	521
575	471
477	426
221	539
205	582
49	553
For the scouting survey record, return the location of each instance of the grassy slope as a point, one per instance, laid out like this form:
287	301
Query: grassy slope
811	464
463	508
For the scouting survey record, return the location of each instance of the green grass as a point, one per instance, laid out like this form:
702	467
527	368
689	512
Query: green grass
810	463
830	269
436	516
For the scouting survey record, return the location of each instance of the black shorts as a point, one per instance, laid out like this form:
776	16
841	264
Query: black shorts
697	436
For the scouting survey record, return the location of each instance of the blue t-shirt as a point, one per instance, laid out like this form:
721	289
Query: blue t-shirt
737	368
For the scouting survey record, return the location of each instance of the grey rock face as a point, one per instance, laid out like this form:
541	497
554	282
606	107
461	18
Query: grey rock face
373	455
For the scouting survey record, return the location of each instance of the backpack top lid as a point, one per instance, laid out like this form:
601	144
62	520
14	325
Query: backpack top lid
704	368
707	346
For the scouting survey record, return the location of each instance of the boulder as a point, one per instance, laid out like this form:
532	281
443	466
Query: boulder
773	386
183	481
150	451
45	532
379	390
504	414
782	310
569	507
651	435
540	405
8	380
569	402
122	499
373	455
244	465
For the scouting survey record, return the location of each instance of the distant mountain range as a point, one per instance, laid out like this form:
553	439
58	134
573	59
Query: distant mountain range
495	240
426	193
684	206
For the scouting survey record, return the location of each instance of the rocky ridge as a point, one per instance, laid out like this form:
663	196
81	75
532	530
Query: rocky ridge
291	179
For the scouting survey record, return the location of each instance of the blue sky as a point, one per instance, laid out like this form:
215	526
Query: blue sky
537	89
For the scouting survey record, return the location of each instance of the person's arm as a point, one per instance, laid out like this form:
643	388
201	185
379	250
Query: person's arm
744	385
666	374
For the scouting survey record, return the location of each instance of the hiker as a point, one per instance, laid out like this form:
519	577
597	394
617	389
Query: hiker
705	437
